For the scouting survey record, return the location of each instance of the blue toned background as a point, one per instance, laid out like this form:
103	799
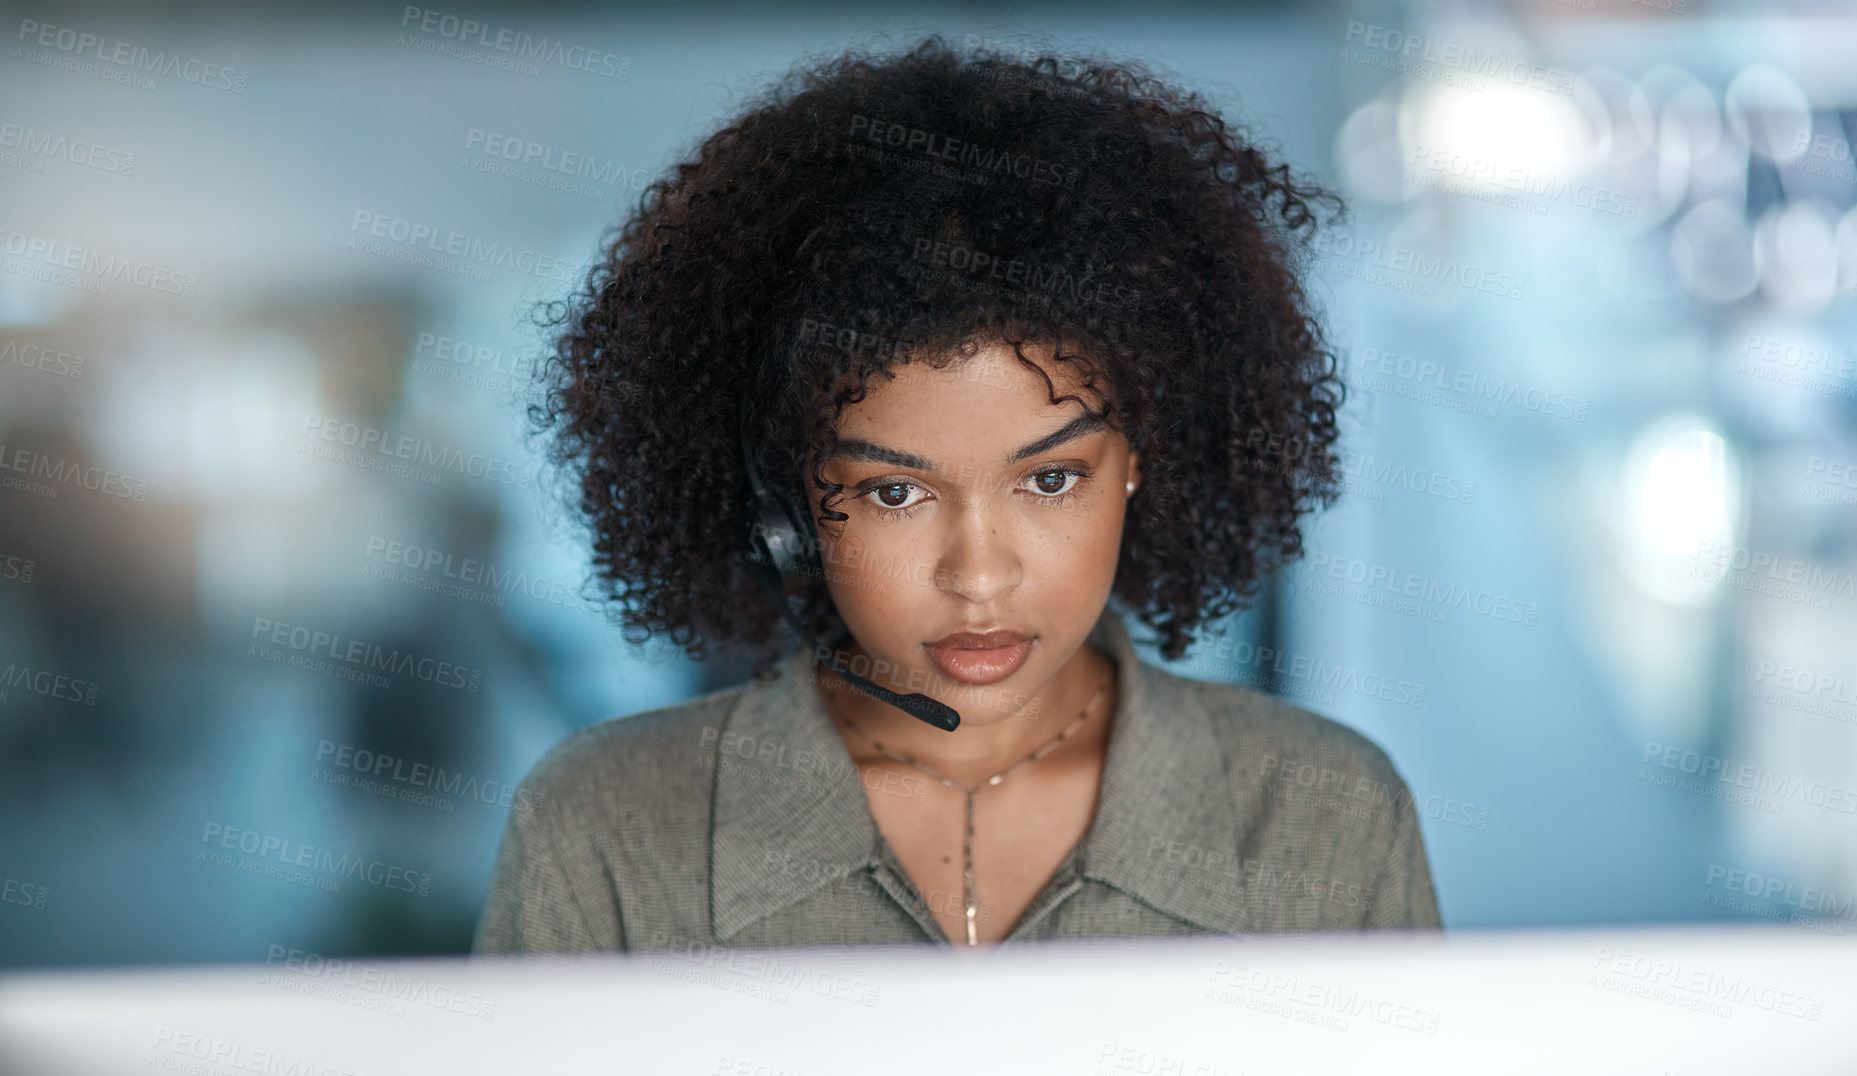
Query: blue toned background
1594	301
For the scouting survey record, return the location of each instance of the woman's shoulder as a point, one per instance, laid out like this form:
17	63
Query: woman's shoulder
1265	736
656	746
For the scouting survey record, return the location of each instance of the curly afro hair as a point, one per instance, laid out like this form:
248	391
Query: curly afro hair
870	209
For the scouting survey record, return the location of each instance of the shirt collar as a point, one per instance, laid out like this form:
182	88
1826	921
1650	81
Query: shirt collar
791	814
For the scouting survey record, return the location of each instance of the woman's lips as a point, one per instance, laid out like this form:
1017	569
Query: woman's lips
979	666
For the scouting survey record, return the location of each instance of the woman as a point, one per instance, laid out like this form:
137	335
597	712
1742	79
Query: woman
1027	342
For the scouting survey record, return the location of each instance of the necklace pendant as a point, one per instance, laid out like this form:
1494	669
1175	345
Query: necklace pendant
967	837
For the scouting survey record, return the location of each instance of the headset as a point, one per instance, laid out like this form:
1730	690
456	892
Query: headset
779	548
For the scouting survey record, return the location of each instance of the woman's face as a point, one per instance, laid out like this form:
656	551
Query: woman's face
975	505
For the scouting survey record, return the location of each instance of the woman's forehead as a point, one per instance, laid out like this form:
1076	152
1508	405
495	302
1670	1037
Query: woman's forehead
984	371
961	434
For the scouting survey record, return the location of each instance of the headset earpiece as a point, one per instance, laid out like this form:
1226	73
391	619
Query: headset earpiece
778	548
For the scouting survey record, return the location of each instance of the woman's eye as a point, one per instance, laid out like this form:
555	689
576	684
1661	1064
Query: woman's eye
894	495
1055	483
900	498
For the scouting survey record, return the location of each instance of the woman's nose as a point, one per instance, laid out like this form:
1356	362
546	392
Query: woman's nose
981	561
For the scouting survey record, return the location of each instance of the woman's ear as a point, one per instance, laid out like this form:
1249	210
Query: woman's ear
1132	480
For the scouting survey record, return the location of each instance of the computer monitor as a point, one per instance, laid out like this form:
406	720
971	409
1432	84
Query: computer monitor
1651	1000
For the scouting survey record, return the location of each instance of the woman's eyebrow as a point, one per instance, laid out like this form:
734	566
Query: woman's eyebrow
1070	431
872	452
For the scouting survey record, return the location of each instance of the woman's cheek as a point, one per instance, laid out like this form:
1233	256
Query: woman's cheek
843	561
864	573
1091	537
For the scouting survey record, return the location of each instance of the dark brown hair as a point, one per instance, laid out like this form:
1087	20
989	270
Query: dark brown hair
873	209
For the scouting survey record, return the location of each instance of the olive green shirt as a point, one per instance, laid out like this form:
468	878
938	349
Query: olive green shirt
738	819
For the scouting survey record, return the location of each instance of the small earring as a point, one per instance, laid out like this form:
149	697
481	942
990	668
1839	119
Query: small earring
1131	489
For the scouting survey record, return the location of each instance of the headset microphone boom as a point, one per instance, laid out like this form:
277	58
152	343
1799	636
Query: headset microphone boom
776	548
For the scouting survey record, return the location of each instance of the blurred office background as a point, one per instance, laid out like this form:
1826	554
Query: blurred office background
1590	583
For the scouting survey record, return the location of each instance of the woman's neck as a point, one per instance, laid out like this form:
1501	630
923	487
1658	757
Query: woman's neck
988	740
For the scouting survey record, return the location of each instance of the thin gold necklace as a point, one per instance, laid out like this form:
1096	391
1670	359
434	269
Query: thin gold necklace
967	840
